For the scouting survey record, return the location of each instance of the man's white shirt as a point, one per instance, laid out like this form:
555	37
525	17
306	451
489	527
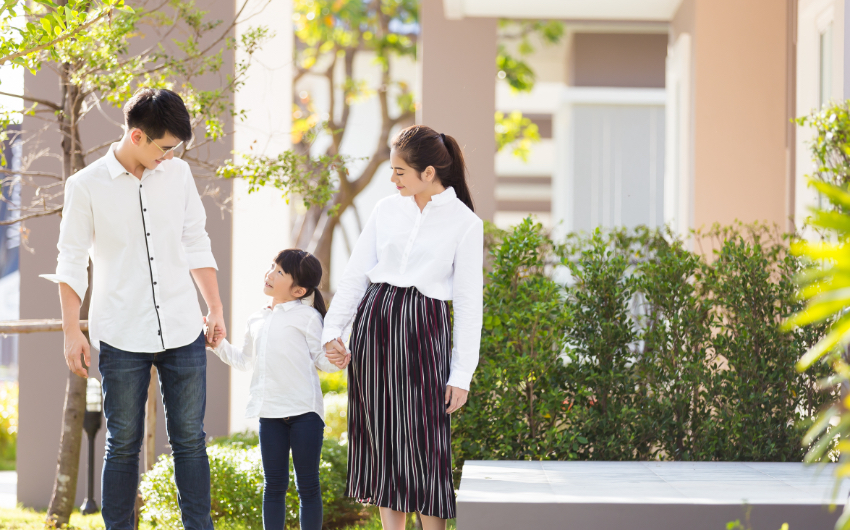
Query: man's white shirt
143	236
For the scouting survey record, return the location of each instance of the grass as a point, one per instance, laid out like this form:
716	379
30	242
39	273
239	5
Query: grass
26	519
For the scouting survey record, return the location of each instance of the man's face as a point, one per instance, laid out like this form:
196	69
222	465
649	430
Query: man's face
153	151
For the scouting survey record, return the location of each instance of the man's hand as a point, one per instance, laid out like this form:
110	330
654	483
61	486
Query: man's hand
337	354
77	352
455	398
215	330
218	335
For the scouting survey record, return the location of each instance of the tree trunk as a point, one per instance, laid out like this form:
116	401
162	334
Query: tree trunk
68	461
67	468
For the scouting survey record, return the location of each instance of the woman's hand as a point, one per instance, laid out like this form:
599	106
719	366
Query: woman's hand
337	354
455	398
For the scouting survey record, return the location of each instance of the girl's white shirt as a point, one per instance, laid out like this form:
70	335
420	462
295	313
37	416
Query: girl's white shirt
439	250
283	346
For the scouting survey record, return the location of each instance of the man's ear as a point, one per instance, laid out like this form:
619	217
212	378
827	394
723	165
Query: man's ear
137	136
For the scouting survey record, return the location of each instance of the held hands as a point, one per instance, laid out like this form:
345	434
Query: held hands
337	354
214	331
77	352
455	398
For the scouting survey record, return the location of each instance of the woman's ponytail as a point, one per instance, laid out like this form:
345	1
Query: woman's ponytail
422	146
457	172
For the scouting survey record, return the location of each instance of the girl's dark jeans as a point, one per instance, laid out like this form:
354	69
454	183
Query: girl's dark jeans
303	435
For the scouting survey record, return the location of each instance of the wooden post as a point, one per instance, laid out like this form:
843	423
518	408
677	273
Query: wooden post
149	446
150	422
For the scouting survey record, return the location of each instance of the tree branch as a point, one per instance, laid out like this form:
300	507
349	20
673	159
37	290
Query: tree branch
44	102
45	213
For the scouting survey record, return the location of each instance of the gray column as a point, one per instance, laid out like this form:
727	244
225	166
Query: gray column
846	49
458	92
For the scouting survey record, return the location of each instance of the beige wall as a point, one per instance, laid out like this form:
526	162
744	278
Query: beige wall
740	109
631	60
458	92
43	373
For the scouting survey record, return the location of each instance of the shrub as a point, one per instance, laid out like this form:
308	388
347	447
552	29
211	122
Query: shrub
236	479
517	405
649	351
336	416
8	424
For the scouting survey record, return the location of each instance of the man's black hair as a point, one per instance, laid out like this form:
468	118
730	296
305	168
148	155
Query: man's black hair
157	111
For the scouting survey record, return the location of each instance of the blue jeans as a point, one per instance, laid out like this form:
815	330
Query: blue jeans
303	434
182	380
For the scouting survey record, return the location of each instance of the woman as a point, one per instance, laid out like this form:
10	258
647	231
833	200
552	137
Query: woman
419	249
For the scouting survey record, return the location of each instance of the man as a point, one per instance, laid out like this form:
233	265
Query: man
137	212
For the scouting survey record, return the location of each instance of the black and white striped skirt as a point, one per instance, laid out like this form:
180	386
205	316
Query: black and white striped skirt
399	453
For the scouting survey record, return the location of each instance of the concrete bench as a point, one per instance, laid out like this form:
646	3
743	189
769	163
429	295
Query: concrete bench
520	495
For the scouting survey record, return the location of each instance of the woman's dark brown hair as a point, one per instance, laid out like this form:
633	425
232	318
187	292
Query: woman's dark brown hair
306	272
422	146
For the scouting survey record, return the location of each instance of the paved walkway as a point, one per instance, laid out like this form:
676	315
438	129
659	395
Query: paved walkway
8	489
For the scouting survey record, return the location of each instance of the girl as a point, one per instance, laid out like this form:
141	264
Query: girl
419	249
283	346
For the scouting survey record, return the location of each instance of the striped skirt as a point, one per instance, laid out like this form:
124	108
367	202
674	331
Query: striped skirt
399	453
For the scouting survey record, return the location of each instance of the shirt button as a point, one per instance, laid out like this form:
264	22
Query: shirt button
157	307
148	234
154	283
151	259
159	332
144	209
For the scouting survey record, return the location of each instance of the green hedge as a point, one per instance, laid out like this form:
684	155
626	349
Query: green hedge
626	345
237	487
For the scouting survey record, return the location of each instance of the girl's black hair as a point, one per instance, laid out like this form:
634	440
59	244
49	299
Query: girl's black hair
422	146
306	272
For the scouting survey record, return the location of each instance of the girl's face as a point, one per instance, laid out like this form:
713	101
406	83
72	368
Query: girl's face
407	180
280	285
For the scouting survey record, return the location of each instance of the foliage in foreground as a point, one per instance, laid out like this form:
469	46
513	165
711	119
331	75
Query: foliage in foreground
237	487
626	345
825	286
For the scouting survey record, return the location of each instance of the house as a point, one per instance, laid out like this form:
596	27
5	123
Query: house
652	112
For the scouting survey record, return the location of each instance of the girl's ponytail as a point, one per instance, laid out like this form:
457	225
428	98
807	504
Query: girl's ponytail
319	302
422	146
457	172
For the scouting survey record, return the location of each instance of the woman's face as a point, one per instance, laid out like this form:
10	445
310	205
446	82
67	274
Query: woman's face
407	180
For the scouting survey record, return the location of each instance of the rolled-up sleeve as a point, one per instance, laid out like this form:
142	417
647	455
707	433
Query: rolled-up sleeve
76	233
354	282
196	241
468	305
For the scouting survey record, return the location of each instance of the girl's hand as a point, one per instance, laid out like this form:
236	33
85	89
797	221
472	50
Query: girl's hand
336	353
455	398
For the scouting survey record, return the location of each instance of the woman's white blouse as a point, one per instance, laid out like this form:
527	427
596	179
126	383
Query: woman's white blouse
283	346
439	250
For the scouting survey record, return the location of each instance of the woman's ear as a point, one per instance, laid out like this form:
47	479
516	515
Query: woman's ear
429	174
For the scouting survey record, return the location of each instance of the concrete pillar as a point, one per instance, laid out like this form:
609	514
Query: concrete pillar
846	49
261	220
457	89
